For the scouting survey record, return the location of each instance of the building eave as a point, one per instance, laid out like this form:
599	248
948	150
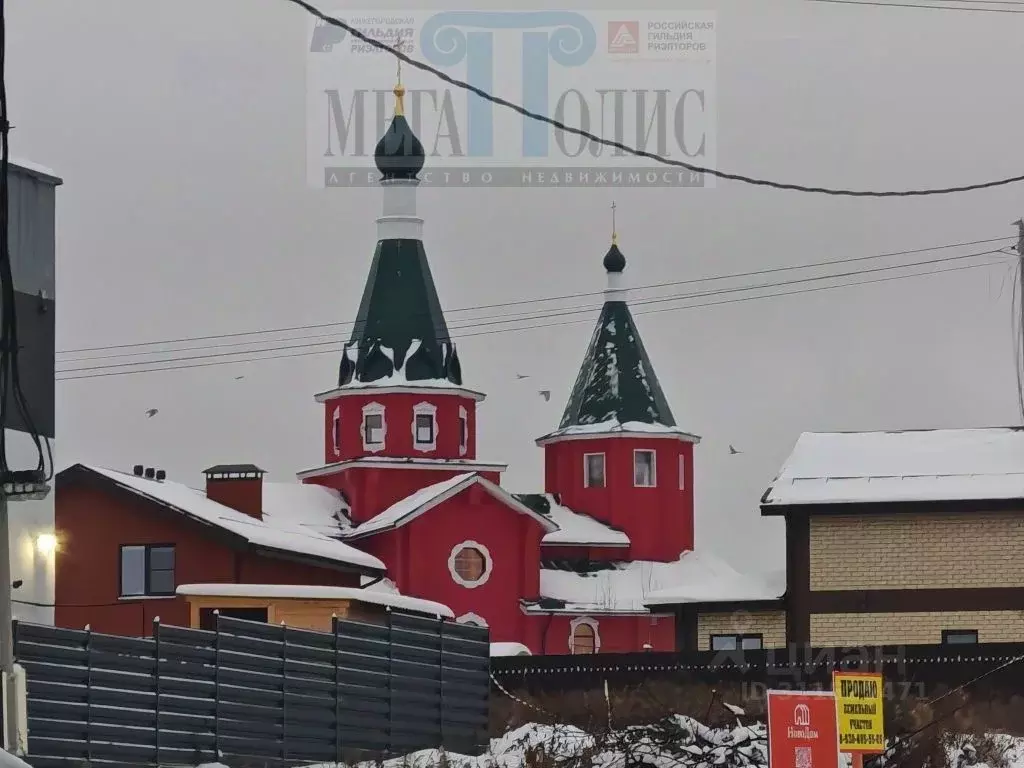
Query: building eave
722	606
602	544
398	389
530	610
900	507
560	436
449	465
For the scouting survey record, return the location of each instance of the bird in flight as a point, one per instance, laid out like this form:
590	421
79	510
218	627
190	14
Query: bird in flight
733	451
546	394
522	376
152	412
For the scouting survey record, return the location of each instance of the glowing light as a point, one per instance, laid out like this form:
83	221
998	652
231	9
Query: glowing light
46	543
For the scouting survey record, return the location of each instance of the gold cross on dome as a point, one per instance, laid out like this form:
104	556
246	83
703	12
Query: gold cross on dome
615	234
399	88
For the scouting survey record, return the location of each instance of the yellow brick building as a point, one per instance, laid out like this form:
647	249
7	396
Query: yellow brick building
903	537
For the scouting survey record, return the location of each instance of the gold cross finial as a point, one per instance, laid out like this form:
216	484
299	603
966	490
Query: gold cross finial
615	234
399	88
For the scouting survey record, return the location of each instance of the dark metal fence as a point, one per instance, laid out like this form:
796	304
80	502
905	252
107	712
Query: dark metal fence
251	692
797	667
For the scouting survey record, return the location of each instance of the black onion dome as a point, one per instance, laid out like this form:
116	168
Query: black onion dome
614	261
399	153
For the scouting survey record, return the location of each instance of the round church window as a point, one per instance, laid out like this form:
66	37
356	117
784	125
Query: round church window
470	564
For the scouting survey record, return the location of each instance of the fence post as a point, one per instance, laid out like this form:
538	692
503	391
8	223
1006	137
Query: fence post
88	693
284	693
216	683
440	677
391	683
337	692
156	704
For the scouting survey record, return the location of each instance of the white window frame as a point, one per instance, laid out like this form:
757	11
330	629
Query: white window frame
592	623
463	430
488	564
472	619
654	467
424	409
336	430
586	470
682	471
375	409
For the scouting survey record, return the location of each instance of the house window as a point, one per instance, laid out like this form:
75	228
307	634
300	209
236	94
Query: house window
737	642
147	570
644	470
682	472
375	428
959	637
470	564
424	427
463	431
583	636
336	430
593	470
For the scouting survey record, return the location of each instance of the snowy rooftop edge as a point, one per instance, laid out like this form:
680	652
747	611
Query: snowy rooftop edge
614	427
901	466
400	384
308	592
35	169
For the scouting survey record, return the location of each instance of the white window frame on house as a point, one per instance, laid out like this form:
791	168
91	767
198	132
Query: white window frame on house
424	410
472	619
463	430
336	430
682	471
654	468
592	623
374	409
488	564
586	470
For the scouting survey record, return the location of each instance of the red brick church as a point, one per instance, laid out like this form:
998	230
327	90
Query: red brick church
403	502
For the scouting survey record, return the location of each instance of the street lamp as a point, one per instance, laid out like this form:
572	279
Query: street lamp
46	543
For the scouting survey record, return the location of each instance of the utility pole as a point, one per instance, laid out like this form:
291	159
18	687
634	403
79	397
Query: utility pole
10	704
1020	307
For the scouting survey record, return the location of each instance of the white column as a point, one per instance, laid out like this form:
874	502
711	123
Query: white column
616	290
398	220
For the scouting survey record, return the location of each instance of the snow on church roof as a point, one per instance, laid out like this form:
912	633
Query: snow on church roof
633	587
922	465
280	531
573	527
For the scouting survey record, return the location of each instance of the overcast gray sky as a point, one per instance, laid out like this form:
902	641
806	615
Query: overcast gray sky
179	128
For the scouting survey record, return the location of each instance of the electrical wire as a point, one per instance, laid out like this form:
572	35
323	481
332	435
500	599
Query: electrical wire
561	312
755	181
535	327
344	326
883	4
11	392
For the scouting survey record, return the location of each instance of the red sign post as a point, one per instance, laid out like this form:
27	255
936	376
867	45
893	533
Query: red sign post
802	730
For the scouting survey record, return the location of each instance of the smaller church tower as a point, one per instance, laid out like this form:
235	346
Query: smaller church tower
618	454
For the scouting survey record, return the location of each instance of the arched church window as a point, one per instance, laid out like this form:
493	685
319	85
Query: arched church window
470	564
583	637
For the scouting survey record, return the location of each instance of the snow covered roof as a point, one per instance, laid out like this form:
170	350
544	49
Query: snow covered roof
398	384
307	592
35	169
466	465
573	527
613	428
411	507
281	529
924	465
631	587
509	649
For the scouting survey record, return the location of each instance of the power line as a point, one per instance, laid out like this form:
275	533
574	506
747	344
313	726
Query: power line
343	326
534	327
883	4
633	150
562	312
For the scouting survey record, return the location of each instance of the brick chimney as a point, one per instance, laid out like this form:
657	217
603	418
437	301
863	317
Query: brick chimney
239	486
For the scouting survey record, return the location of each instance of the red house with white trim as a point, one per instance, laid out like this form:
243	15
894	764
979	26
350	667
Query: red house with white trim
402	492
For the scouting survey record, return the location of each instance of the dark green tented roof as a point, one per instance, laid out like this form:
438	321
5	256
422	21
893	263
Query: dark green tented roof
400	325
617	380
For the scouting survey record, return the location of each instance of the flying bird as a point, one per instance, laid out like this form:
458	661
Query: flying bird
152	412
733	451
522	376
546	394
239	377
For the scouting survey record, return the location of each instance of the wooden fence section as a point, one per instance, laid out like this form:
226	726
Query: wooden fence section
252	692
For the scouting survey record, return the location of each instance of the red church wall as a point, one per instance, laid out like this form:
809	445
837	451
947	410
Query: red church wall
92	525
371	490
398	416
658	520
618	634
417	558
